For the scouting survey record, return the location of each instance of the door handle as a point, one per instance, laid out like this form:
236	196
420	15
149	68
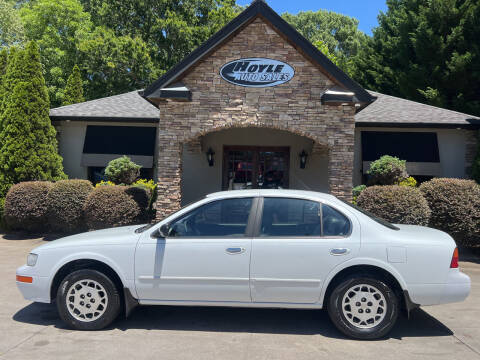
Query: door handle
235	250
339	251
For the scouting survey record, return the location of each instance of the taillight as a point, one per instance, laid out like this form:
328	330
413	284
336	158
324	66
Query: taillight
454	263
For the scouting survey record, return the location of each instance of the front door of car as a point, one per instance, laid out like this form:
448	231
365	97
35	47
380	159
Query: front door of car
294	251
205	257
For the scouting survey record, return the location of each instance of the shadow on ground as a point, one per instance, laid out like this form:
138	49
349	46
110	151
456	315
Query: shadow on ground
212	319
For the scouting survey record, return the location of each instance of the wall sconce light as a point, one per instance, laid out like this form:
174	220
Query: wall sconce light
303	159
210	154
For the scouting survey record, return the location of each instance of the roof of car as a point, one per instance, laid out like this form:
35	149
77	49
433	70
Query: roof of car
270	192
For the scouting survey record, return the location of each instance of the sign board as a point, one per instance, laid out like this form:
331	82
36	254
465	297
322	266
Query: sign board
257	72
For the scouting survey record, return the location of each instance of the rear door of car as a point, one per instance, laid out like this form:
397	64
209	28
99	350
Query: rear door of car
206	257
293	250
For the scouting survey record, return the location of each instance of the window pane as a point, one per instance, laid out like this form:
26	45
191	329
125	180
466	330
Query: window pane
223	218
290	217
334	223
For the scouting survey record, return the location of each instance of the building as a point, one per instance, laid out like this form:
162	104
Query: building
257	105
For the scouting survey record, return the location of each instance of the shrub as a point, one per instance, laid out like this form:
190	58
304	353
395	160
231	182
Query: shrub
104	183
409	181
356	191
388	170
455	205
26	206
152	187
122	171
110	206
397	204
66	199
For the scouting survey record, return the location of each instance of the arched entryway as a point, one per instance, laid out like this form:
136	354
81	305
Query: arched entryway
250	158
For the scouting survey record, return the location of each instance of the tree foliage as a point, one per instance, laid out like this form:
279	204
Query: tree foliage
170	28
338	33
28	148
11	27
426	51
74	89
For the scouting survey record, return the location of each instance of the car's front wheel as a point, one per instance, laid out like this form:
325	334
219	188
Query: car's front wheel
88	300
363	307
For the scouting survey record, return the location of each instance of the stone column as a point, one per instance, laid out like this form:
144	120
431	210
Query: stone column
169	170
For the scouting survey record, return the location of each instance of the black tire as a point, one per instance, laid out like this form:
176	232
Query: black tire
339	315
92	321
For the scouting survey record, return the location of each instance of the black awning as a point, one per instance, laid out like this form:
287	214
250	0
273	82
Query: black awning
121	140
410	146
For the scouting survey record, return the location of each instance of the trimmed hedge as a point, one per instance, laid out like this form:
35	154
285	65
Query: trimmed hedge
396	204
66	199
26	206
110	206
455	205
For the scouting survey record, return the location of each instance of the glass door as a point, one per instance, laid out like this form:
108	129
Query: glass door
254	167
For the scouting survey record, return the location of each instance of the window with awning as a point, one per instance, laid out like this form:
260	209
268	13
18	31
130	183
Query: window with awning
105	143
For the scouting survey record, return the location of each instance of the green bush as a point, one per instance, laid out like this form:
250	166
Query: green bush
110	206
26	206
122	171
396	204
388	170
66	199
356	191
455	205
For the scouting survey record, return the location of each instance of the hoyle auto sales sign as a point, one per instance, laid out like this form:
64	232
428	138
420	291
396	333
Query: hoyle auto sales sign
257	72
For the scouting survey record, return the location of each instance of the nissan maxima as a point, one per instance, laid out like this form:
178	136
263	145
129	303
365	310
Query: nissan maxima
251	248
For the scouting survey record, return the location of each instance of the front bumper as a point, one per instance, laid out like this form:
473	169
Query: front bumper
38	290
455	289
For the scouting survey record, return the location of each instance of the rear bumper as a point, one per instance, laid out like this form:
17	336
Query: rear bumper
455	289
38	290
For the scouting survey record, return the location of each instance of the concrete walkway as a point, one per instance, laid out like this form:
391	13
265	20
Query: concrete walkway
34	331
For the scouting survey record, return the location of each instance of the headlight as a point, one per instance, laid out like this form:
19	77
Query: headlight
32	259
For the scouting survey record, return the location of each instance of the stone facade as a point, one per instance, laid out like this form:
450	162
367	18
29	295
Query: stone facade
217	105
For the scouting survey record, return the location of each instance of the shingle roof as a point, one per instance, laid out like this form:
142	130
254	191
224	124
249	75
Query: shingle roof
128	107
393	111
385	111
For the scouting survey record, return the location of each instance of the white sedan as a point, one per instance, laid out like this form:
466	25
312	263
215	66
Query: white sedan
251	248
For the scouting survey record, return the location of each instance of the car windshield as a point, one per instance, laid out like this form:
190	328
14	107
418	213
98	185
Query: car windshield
371	216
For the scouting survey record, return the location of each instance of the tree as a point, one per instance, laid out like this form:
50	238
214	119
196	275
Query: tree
338	33
170	28
57	27
3	69
426	51
114	64
11	28
29	147
74	90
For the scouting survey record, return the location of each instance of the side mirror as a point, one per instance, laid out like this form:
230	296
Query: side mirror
162	232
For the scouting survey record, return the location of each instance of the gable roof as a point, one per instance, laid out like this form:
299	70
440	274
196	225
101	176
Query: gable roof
394	111
256	9
129	107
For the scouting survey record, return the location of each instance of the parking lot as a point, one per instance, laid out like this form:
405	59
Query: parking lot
34	331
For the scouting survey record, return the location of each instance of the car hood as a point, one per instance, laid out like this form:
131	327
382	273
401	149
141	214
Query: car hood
423	234
119	235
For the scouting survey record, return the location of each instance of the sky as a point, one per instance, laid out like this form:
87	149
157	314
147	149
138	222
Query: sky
365	11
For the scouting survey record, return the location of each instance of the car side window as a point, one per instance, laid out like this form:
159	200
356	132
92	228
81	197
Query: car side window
290	217
334	222
221	218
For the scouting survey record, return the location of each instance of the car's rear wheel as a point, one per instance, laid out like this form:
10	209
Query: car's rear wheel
88	300
363	307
